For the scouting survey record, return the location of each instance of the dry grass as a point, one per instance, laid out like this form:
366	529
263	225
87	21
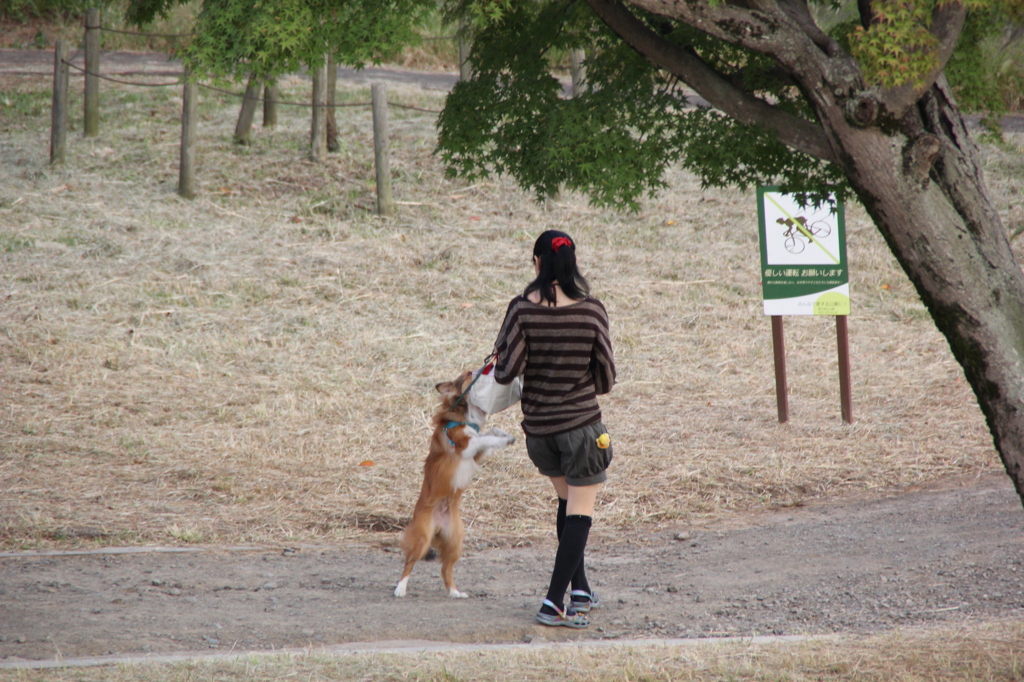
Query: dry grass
217	370
987	653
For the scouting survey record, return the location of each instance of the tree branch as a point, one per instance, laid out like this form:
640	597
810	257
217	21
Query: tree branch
947	23
781	29
797	11
795	132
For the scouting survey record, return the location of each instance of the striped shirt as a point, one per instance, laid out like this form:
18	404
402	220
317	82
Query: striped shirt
565	357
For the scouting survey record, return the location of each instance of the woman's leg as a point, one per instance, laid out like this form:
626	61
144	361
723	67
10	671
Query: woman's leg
580	502
579	578
580	499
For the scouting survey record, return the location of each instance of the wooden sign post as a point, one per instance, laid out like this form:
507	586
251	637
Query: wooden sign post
804	272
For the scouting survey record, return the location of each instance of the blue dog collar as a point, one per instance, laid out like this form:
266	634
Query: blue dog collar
452	425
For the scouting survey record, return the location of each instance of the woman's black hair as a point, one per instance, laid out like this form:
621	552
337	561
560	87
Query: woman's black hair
557	253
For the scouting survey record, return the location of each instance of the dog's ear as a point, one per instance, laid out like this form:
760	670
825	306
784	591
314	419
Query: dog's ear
447	389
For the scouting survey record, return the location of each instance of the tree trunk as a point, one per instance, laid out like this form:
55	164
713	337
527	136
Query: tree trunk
251	100
924	189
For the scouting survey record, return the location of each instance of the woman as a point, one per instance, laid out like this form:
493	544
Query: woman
556	336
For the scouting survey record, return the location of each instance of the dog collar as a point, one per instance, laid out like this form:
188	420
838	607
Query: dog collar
452	425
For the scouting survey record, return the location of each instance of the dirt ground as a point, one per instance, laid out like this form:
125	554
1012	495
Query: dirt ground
933	556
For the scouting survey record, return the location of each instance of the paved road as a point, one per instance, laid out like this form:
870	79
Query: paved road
30	62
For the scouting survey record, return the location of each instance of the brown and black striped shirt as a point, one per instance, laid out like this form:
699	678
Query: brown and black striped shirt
565	357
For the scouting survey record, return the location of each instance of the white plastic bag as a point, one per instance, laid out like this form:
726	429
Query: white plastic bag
491	396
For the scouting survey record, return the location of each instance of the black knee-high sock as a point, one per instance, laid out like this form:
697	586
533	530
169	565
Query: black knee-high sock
579	578
570	553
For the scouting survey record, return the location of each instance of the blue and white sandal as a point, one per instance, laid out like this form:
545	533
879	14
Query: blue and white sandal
581	601
567	618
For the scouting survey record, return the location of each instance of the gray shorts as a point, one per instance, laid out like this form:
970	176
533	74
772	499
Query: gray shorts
574	455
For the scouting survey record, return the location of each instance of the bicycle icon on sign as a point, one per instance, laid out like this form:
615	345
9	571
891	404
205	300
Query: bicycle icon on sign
798	233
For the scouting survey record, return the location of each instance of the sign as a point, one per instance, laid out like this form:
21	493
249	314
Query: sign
803	256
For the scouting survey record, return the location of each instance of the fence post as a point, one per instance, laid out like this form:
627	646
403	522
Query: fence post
318	132
381	149
465	67
578	69
91	127
270	97
332	99
187	165
59	114
243	127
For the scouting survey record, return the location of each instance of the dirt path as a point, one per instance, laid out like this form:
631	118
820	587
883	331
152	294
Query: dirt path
918	558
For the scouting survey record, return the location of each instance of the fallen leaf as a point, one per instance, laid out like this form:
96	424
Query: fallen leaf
367	463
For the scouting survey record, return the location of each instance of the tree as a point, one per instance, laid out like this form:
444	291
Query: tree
866	109
263	39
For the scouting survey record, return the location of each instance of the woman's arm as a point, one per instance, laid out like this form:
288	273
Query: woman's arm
602	358
510	347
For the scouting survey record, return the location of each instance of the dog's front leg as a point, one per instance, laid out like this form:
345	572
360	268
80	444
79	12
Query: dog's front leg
495	438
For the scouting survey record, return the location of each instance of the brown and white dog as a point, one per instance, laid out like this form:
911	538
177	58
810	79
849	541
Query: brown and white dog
456	449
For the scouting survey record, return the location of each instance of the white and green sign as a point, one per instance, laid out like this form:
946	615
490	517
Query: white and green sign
803	256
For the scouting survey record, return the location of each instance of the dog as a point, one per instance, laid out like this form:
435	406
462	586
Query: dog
456	449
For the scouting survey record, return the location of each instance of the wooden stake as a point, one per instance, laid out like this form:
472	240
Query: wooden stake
59	113
845	392
270	97
779	349
91	126
382	149
318	131
332	98
465	67
578	71
187	166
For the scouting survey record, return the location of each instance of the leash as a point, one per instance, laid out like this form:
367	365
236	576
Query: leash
466	392
479	374
453	424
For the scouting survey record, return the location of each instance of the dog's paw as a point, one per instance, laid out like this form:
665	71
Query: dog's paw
508	437
400	590
455	594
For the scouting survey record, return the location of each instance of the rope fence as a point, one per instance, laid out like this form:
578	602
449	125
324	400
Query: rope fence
323	126
189	35
231	93
119	82
145	35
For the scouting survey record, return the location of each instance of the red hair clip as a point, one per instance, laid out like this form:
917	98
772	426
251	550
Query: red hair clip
559	242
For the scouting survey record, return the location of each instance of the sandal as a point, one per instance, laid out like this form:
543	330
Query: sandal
567	618
581	601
